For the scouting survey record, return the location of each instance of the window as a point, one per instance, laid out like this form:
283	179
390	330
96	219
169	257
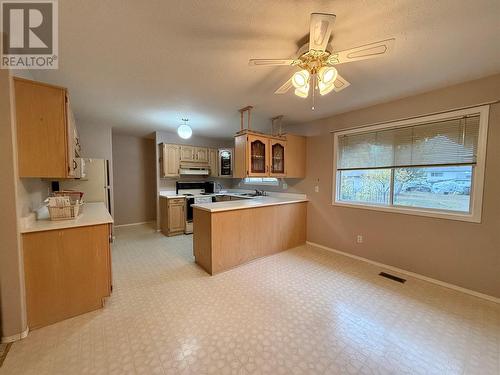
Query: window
430	166
261	181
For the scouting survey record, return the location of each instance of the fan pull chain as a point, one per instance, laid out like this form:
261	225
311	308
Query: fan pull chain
313	90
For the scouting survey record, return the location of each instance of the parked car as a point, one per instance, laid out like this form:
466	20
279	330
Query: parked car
418	186
461	187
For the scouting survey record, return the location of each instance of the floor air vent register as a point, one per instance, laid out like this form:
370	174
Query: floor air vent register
392	277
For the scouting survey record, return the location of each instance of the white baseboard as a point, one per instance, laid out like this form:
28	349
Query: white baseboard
131	224
409	273
15	337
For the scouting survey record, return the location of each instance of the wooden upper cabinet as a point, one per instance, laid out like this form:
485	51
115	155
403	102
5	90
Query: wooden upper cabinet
257	155
170	160
277	163
213	162
194	154
201	154
187	153
295	156
44	139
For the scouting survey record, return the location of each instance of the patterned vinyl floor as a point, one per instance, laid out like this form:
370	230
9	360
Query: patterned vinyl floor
304	311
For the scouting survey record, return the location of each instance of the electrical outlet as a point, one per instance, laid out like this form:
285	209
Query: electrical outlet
359	238
284	185
316	188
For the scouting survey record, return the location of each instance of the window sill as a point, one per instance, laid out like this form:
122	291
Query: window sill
416	212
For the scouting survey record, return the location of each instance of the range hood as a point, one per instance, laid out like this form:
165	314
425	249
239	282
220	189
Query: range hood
194	169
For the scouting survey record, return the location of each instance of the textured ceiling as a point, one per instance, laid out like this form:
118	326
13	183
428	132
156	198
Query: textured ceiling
141	66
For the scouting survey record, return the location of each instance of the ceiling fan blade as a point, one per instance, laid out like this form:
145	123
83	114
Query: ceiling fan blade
272	62
320	30
285	87
340	83
367	51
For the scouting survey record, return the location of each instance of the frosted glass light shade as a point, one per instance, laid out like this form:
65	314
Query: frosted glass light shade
325	88
327	74
302	92
184	131
300	79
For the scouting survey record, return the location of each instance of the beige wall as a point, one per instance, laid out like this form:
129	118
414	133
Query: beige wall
12	300
460	253
134	179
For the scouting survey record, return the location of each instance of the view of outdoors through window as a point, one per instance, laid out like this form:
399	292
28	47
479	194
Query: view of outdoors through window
261	181
442	188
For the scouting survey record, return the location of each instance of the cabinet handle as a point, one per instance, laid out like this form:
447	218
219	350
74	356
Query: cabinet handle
74	164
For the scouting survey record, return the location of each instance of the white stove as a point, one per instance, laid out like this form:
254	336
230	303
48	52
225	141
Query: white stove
194	194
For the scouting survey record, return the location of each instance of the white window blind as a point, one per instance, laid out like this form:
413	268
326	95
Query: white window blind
448	142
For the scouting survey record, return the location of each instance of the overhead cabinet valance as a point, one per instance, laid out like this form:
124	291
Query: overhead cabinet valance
452	141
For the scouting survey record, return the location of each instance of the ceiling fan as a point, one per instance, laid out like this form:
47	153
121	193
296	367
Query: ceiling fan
317	60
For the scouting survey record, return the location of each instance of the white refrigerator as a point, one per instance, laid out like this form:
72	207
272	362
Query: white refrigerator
95	184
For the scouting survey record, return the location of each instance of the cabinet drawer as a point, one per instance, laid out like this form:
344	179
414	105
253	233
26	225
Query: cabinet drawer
176	201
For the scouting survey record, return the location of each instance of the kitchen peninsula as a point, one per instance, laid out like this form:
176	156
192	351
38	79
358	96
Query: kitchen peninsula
231	233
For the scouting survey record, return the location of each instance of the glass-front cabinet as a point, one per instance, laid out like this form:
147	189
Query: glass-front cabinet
277	161
258	164
266	156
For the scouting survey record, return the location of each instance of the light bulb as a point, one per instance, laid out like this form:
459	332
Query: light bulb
300	79
302	92
327	74
184	131
325	88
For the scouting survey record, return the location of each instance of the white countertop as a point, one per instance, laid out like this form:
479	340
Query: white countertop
93	214
250	203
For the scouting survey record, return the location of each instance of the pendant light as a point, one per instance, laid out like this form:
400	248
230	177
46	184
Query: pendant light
184	131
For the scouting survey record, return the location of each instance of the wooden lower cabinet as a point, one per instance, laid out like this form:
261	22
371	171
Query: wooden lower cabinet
67	272
223	240
172	215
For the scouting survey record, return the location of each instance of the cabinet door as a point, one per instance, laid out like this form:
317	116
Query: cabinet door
70	120
295	156
213	162
176	215
258	156
170	160
277	160
67	272
187	153
42	133
201	154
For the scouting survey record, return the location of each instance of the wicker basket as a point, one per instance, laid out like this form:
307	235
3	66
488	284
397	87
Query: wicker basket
74	196
65	213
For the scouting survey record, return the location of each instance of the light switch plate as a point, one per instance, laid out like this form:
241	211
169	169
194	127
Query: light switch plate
316	188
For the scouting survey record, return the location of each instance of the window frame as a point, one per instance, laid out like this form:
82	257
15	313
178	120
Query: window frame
477	182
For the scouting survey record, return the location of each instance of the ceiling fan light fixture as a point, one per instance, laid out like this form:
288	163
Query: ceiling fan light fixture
300	79
327	74
325	88
302	92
